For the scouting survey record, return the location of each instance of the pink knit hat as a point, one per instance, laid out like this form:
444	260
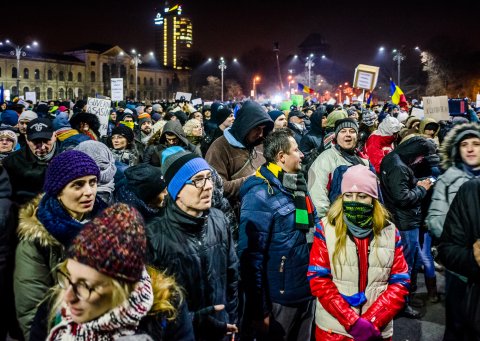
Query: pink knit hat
360	179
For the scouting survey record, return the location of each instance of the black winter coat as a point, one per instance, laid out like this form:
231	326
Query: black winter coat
200	254
461	230
26	173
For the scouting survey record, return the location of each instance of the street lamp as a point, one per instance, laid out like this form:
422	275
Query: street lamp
18	52
222	66
398	57
137	59
255	80
309	64
120	54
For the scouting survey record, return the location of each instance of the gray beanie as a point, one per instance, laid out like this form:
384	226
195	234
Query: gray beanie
28	115
345	123
102	156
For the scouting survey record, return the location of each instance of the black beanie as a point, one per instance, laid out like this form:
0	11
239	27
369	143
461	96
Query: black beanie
123	131
145	180
220	115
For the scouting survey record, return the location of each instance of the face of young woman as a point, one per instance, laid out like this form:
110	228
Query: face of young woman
78	196
358	197
87	280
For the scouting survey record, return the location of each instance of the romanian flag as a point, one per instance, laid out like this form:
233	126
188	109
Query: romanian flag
369	100
397	94
305	89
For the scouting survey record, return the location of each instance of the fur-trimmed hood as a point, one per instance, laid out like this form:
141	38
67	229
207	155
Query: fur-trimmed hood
30	228
449	148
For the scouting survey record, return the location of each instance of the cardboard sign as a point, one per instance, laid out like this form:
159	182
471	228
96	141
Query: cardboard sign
436	107
197	101
365	77
417	112
101	108
297	100
187	95
117	89
32	96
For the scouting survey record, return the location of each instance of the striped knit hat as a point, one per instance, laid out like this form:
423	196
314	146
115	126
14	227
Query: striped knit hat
178	166
345	123
113	243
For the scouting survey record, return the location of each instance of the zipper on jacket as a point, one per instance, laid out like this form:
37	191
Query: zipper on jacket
282	270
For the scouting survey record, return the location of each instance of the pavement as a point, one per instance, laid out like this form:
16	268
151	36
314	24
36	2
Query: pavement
432	325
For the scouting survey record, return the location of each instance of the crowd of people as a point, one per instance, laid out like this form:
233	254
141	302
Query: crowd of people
234	221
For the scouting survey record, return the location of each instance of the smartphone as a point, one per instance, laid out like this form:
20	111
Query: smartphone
432	179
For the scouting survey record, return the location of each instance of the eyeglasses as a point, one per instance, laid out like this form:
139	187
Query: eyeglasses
199	183
81	290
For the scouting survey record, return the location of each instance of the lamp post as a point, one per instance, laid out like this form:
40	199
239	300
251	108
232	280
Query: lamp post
18	52
398	57
309	64
116	62
222	66
136	60
255	80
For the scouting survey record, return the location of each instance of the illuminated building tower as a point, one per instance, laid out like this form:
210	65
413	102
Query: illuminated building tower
173	37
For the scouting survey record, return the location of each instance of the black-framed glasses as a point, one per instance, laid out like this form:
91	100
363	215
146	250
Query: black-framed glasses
199	183
81	289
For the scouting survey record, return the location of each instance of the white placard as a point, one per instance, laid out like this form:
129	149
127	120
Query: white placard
187	95
196	101
101	108
365	77
332	101
6	94
117	89
436	107
478	101
32	96
417	112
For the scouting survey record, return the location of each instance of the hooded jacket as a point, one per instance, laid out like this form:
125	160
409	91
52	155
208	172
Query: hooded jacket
403	198
448	183
230	154
153	153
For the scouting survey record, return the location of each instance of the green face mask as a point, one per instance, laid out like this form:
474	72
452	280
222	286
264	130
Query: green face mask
359	214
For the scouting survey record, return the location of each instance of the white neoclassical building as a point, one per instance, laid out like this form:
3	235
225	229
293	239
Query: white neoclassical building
86	71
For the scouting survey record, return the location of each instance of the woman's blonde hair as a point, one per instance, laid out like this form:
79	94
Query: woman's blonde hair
190	125
335	218
167	295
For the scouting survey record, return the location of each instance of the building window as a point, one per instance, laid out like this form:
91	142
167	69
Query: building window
14	90
151	81
26	73
61	76
25	90
145	81
80	93
123	71
49	93
79	77
138	80
70	93
14	72
0	72
37	74
159	82
168	81
131	79
49	77
37	92
92	76
61	93
70	76
92	63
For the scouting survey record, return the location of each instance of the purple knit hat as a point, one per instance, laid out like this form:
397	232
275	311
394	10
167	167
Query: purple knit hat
68	166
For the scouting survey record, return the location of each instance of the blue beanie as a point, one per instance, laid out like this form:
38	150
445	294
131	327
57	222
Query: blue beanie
61	121
178	166
10	118
68	166
274	114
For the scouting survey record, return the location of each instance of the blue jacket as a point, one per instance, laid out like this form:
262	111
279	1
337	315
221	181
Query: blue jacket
274	254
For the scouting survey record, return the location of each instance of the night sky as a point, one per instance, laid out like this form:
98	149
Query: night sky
229	28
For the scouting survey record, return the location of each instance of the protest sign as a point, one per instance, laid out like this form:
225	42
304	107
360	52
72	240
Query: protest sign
436	107
101	108
117	89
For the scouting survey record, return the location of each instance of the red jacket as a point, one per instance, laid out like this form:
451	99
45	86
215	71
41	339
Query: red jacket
386	306
377	147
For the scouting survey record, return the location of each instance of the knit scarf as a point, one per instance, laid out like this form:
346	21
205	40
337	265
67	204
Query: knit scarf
350	155
297	185
58	222
120	321
359	218
49	155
